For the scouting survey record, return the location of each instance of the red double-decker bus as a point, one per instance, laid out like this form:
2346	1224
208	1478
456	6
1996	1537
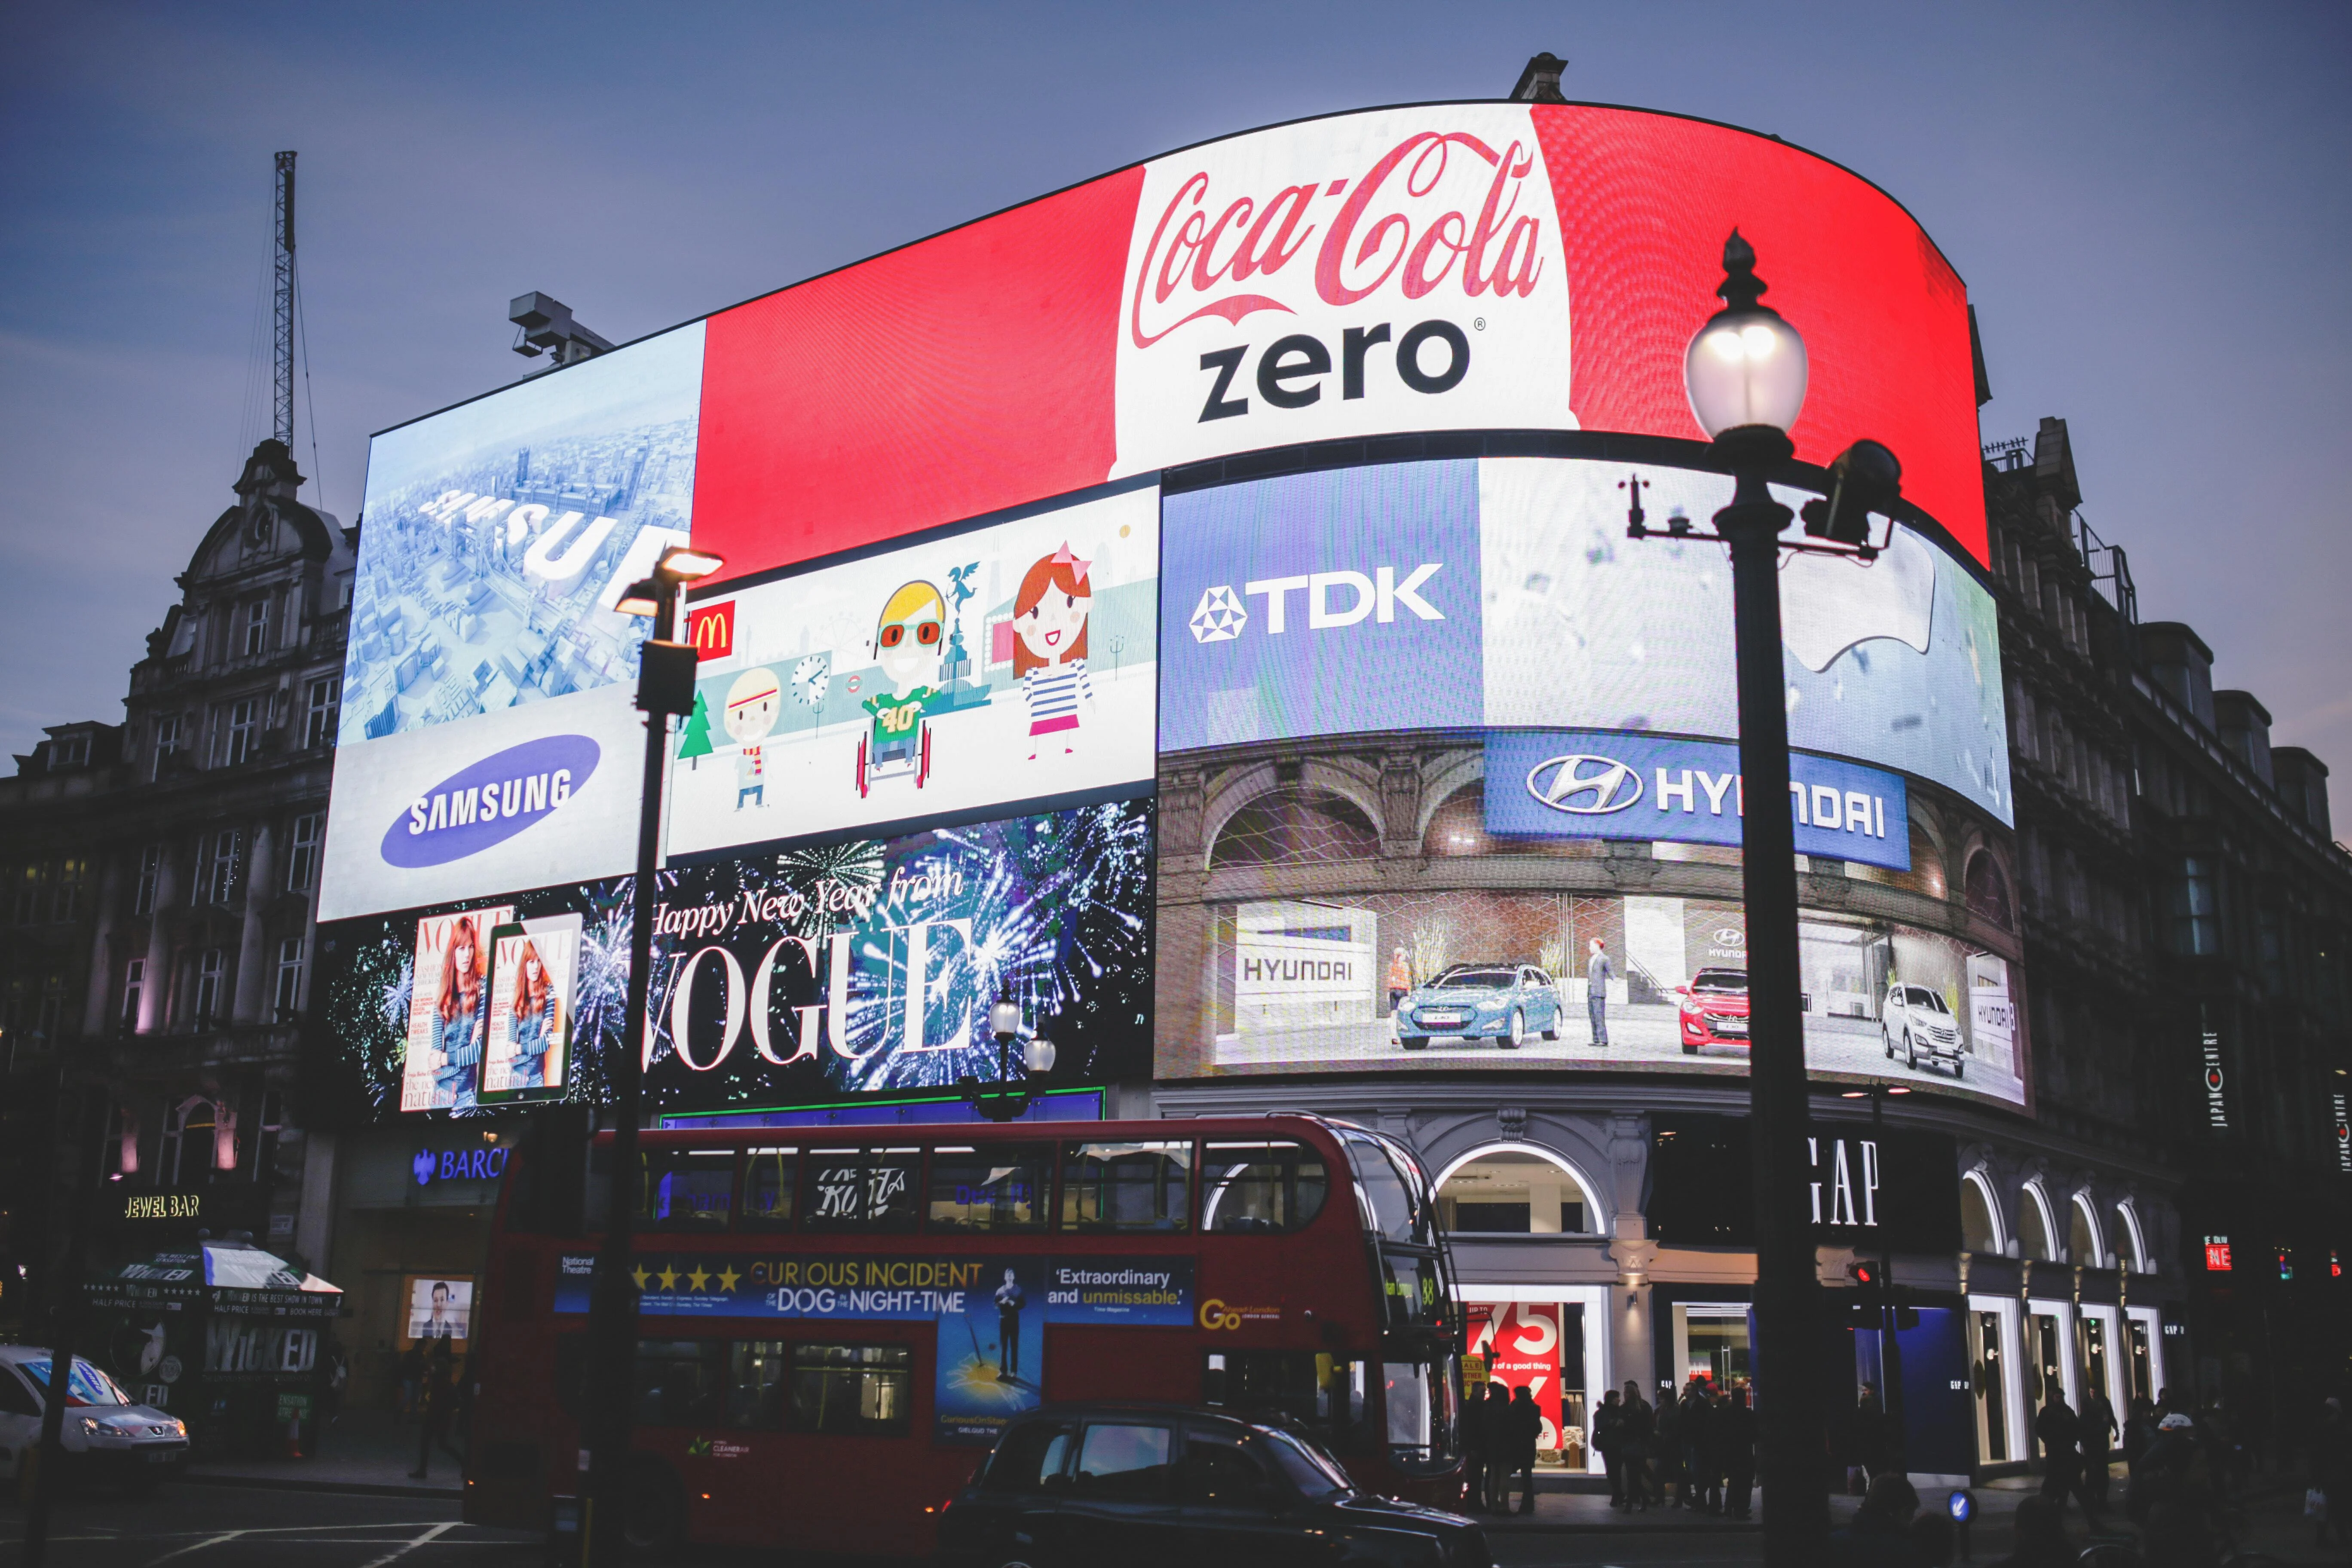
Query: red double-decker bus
833	1327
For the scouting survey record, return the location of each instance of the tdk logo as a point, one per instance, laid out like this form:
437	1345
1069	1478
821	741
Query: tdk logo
489	802
1584	786
1332	599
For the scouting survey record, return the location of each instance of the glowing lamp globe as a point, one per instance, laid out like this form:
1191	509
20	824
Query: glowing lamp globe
1005	1020
1746	366
1039	1055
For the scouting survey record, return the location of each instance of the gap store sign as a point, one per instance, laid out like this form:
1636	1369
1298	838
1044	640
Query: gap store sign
1590	784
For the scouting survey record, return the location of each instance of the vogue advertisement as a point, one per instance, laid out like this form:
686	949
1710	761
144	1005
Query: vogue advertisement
1006	664
535	969
870	964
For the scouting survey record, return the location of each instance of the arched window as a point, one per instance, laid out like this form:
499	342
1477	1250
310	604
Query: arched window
1979	1219
2035	1241
1516	1189
1987	891
2131	1247
2083	1235
190	1143
1296	826
1458	828
1927	873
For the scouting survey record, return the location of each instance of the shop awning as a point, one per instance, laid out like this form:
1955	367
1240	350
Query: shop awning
223	1277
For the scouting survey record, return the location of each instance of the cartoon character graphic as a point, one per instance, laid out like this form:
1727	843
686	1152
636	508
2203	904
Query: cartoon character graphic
538	1026
907	646
752	704
1049	653
462	1015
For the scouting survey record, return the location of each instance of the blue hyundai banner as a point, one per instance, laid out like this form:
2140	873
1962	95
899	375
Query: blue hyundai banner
1591	783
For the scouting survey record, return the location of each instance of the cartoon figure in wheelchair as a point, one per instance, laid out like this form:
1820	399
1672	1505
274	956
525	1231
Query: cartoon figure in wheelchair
908	645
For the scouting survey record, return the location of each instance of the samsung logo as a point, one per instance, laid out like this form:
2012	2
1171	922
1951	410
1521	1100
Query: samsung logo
489	802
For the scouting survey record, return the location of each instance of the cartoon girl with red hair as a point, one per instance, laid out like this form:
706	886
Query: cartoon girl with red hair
1049	654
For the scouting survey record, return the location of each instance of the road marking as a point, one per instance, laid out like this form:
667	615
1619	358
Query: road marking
199	1545
396	1555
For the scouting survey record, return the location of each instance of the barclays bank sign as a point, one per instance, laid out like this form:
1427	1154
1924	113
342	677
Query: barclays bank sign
1588	783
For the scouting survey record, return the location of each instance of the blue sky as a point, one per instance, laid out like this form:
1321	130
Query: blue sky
2148	203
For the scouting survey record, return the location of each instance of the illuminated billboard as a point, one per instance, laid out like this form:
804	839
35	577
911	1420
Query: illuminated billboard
1471	979
869	965
1501	593
1432	267
500	533
1015	662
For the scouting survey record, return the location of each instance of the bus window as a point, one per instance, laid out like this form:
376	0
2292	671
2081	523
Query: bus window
1386	1192
768	1176
864	1390
1415	1296
1126	1186
1124	1463
686	1189
755	1384
1260	1187
1320	1392
678	1383
1002	1187
859	1189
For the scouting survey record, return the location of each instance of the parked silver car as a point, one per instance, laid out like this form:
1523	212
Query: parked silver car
106	1436
1916	1021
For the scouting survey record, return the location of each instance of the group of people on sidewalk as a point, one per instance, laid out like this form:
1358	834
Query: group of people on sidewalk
1699	1447
1500	1433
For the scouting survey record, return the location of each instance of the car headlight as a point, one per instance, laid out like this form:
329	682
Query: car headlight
91	1426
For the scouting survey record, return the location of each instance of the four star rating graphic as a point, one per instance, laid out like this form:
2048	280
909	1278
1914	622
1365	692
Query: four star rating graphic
696	1279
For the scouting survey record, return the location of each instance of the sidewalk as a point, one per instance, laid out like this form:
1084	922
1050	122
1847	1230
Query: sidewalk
365	1451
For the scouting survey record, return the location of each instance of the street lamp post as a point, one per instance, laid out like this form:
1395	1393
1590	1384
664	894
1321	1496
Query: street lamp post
665	688
1745	373
1005	1102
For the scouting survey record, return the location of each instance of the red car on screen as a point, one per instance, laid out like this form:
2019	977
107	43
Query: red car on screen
1713	1009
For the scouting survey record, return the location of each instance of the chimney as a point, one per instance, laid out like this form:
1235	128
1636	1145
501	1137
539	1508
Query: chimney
1539	83
2244	726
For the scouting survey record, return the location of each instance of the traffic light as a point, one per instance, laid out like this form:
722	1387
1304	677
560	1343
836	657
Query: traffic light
1866	1303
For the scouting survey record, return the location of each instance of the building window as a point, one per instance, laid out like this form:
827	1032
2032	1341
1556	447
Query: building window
27	905
151	871
134	990
69	752
1980	1229
1988	892
289	977
190	1140
64	895
2196	908
256	627
52	1011
265	1138
238	735
1515	1191
167	743
326	700
211	967
1297	826
217	875
303	857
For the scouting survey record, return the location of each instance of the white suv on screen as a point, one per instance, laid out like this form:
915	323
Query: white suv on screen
1916	1022
106	1436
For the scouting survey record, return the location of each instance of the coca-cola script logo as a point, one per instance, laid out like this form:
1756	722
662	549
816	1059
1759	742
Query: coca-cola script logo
1437	209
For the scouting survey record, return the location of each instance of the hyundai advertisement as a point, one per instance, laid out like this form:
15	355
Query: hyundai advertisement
1011	663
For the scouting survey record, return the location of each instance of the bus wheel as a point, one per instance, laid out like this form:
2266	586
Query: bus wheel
657	1507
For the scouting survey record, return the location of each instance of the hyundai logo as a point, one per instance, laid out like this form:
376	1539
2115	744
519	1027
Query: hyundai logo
1730	936
1606	785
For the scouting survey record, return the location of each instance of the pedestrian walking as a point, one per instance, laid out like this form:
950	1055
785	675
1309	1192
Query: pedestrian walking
2098	1435
1497	1418
1734	1427
2060	1432
1867	1452
1639	1430
1526	1428
1701	1482
2331	1471
411	1367
1667	1448
1474	1451
1598	974
1608	1434
438	1406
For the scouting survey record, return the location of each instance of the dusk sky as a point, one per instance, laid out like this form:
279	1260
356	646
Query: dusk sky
2148	203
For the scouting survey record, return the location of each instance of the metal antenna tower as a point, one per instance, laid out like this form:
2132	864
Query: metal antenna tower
283	364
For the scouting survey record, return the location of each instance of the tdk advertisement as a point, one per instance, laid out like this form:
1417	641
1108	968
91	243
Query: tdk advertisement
1592	783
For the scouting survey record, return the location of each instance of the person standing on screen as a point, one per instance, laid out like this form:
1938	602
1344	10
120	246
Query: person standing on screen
1598	974
1010	1298
1400	979
537	1027
461	1019
1049	655
752	705
906	645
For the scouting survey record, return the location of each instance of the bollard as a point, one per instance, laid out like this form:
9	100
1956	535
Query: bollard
1962	1506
